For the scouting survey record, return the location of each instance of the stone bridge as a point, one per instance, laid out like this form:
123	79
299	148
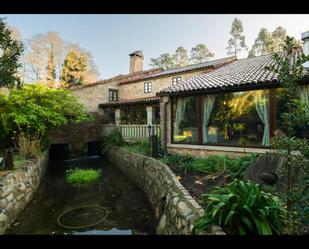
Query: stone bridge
77	136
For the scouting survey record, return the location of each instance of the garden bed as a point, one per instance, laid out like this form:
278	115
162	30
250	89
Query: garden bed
199	183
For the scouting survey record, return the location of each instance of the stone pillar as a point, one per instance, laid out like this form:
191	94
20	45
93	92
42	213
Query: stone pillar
117	117
164	122
150	115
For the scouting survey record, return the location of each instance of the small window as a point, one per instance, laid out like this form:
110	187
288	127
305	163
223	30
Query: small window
176	80
147	87
112	94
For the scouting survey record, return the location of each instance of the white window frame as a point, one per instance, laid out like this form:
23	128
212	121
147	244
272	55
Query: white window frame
148	87
176	80
112	97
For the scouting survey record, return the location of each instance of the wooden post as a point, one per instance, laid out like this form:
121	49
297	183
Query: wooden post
9	159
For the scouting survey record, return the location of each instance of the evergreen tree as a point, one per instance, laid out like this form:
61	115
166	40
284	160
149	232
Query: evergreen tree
181	58
10	53
268	42
75	68
237	42
200	53
164	61
51	70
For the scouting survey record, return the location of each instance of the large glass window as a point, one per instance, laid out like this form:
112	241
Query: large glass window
185	120
239	118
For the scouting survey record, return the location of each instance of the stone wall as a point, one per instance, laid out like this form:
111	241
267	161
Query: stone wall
17	189
202	151
92	96
77	134
174	207
135	90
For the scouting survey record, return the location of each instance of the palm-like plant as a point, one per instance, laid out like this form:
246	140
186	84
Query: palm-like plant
243	208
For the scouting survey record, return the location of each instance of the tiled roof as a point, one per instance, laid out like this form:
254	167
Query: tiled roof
206	64
120	78
243	72
148	100
237	73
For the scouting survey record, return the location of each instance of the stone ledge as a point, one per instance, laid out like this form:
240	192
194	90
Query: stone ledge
17	189
175	209
219	148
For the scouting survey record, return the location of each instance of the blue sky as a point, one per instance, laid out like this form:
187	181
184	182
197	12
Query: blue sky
110	38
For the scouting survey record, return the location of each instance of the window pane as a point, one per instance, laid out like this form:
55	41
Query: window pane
185	120
240	118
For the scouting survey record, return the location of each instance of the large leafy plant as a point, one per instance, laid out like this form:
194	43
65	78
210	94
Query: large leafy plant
113	139
243	208
35	108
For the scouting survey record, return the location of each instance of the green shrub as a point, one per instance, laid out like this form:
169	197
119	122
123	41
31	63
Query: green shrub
141	147
80	176
113	139
212	163
243	208
35	108
239	165
173	159
187	163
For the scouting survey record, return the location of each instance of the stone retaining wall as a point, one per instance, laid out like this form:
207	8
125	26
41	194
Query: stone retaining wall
17	189
174	207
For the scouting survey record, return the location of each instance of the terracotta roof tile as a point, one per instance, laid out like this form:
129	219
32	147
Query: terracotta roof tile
248	71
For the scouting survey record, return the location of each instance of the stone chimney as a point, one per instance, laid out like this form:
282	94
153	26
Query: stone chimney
136	61
305	39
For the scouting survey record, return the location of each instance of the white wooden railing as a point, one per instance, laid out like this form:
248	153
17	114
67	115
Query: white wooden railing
131	132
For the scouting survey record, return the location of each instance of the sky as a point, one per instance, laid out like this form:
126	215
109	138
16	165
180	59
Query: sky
110	38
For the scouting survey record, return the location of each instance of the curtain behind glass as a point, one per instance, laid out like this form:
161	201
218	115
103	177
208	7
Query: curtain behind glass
262	108
208	105
179	115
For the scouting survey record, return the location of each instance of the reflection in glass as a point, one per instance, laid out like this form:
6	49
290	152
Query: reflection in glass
185	120
240	118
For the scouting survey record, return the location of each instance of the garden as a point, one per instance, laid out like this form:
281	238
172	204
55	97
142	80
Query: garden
231	200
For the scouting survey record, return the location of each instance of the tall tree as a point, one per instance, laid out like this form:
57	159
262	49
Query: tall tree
200	53
92	72
268	42
164	61
181	57
40	48
278	39
10	52
262	44
51	70
237	42
74	70
36	57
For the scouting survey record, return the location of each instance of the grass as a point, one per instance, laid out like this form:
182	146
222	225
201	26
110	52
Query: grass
81	176
141	147
18	162
211	164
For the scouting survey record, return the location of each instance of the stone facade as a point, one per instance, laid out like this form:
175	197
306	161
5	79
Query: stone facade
92	96
17	189
174	207
135	90
129	87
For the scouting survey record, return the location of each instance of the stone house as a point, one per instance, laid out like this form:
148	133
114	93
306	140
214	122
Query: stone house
230	110
131	98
